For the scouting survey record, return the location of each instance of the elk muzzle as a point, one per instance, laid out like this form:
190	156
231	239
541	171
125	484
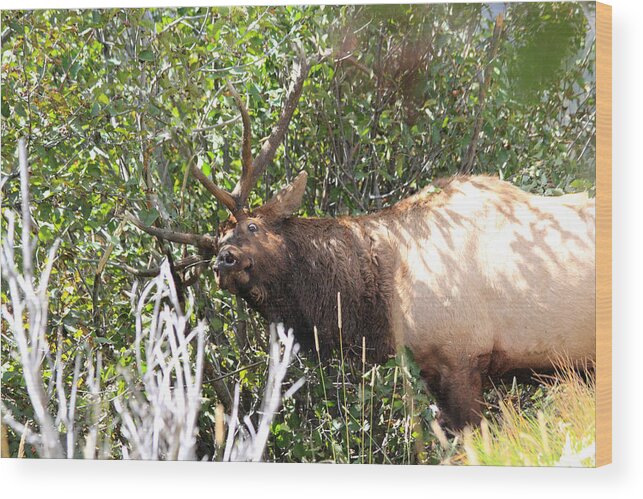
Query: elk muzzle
227	258
231	266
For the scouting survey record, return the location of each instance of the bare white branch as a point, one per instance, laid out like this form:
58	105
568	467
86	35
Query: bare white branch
27	305
250	444
26	315
160	412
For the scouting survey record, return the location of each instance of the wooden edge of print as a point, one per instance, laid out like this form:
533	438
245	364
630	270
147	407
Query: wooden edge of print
603	234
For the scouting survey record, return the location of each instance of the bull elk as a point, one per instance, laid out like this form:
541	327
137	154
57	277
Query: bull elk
475	276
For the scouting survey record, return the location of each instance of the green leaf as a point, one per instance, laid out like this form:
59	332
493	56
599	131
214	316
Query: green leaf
20	110
146	55
148	217
74	69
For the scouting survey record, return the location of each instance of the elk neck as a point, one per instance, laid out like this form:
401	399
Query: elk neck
327	256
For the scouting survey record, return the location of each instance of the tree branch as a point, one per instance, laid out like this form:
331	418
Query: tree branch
469	160
185	263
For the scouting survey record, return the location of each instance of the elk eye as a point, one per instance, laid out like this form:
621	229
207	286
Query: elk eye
252	227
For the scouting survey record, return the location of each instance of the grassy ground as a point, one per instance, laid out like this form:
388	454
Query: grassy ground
391	420
552	424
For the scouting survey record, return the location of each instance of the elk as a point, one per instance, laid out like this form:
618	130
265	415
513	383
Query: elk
475	276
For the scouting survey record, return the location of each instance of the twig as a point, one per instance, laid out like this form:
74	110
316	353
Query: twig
160	421
236	371
485	78
250	443
30	302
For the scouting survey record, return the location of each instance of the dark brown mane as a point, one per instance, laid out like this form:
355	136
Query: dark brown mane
327	256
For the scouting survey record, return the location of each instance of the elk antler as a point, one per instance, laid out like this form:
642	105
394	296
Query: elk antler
207	245
245	183
269	148
205	242
252	169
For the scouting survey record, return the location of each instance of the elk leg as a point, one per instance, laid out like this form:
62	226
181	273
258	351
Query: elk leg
458	393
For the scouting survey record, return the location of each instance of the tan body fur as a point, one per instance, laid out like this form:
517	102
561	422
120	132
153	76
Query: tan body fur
489	279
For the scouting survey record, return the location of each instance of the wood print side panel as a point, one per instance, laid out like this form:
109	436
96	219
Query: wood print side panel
603	234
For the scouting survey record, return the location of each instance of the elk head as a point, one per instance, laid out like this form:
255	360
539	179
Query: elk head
251	246
248	240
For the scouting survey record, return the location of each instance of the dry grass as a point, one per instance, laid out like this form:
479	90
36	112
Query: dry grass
557	431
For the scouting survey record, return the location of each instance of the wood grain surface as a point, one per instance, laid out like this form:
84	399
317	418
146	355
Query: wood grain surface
603	234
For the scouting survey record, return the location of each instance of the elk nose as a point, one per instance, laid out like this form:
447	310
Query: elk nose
226	258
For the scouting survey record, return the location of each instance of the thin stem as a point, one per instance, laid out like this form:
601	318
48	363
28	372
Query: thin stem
321	375
341	352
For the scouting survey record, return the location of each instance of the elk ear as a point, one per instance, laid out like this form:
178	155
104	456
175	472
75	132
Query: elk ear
287	201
